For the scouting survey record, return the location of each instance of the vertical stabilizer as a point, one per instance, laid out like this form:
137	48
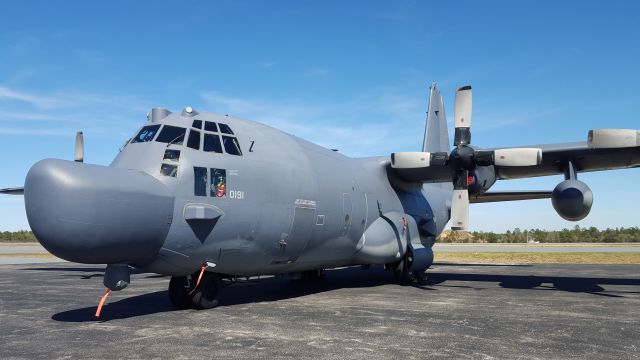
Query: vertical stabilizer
436	135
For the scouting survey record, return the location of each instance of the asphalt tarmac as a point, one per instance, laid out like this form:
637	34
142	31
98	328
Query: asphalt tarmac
464	311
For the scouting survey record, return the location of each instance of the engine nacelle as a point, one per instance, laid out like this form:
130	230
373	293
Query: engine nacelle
572	200
483	178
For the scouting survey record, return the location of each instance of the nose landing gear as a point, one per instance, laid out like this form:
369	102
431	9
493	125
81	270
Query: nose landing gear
184	293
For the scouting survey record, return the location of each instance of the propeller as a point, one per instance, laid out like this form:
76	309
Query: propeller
464	159
79	157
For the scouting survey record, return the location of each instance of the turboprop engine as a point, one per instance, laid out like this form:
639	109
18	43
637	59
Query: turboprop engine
481	179
572	200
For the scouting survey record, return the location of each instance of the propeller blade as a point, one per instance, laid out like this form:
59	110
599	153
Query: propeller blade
460	210
79	147
462	110
410	160
460	201
12	191
518	157
462	116
416	160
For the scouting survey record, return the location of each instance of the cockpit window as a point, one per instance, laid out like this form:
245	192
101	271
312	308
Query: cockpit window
197	124
169	170
225	129
212	143
172	155
172	135
199	181
146	134
194	139
210	126
231	145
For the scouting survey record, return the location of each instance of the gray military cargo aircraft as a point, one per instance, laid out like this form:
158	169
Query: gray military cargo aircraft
201	197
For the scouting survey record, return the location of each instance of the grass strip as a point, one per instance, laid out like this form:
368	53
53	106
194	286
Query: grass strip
537	258
27	255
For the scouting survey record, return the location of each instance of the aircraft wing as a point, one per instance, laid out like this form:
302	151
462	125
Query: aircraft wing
584	157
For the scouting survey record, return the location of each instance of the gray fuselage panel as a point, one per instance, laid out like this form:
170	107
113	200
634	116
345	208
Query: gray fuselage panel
284	205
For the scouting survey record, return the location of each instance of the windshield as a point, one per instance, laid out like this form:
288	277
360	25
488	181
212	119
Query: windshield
172	135
146	134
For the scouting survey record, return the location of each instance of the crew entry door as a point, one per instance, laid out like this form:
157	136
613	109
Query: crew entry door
354	207
293	243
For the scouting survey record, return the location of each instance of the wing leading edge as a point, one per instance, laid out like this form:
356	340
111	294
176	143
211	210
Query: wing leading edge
583	156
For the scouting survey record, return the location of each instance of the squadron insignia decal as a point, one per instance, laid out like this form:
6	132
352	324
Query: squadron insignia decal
219	183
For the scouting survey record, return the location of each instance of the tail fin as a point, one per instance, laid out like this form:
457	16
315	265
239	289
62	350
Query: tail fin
436	134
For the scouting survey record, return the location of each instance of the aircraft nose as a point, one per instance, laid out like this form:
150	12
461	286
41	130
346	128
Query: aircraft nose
97	214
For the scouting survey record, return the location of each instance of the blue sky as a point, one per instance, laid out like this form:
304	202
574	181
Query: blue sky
349	75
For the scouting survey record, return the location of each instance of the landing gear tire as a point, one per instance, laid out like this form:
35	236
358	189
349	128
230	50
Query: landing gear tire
207	294
179	292
402	270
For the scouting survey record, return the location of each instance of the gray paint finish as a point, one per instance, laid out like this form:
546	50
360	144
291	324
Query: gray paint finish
278	204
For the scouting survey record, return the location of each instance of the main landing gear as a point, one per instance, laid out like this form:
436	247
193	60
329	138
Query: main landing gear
403	273
185	292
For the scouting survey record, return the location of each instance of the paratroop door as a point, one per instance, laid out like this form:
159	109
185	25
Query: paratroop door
292	246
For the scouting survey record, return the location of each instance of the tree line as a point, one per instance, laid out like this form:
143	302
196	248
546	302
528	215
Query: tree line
17	236
575	235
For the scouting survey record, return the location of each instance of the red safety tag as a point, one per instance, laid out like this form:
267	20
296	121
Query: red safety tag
101	303
204	267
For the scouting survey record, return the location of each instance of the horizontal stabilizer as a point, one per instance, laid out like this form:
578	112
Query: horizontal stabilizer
12	191
496	196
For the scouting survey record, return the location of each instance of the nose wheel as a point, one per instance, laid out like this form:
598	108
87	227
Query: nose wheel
184	293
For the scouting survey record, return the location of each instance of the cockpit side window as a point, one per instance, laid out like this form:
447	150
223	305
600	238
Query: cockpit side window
210	126
224	128
199	181
212	143
171	155
146	133
172	135
231	145
169	170
197	124
194	139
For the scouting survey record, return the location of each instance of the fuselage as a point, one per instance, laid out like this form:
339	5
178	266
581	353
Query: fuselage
255	200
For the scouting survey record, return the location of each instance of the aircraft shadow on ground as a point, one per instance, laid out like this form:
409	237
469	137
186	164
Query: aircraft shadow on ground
241	292
590	285
140	305
278	288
